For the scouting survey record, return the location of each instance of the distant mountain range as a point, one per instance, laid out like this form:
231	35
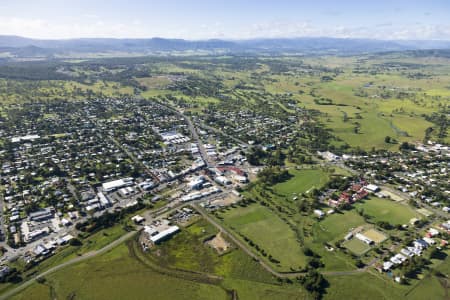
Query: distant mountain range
16	46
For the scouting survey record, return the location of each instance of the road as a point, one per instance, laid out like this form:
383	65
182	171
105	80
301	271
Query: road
68	263
134	159
193	131
258	259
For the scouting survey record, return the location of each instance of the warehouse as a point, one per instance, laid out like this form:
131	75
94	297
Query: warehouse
113	185
164	234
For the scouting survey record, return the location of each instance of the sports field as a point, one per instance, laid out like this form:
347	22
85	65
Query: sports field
335	226
356	246
375	235
301	182
387	210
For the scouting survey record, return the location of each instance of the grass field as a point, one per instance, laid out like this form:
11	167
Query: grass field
127	273
387	210
269	232
301	182
356	246
336	226
116	275
187	250
363	286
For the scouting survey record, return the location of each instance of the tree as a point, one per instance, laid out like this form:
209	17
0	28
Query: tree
387	139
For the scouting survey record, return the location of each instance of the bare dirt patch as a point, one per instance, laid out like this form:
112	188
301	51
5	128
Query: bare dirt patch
219	243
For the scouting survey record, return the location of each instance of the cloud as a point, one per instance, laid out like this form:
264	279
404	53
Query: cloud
94	26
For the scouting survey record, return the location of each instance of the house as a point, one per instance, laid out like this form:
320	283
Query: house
64	239
222	180
420	244
432	232
387	265
407	252
429	241
4	270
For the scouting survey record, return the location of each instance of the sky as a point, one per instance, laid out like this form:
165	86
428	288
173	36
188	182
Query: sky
226	19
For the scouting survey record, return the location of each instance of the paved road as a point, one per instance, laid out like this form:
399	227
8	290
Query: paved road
193	131
68	263
134	159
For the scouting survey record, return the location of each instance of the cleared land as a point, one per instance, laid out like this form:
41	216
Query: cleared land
116	275
269	232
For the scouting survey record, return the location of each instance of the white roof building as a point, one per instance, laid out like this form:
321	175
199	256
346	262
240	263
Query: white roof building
164	234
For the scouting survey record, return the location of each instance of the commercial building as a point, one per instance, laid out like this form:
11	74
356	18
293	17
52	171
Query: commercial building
164	234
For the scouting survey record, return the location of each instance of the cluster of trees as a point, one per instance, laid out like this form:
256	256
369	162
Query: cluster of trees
107	220
273	175
314	282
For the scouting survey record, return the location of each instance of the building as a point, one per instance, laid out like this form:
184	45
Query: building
372	188
116	184
364	238
222	180
137	219
41	215
104	201
164	234
319	213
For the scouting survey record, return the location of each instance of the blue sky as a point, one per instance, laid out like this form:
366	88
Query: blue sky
231	19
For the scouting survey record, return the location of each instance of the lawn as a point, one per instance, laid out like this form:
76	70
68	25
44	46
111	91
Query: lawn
269	232
336	226
356	246
301	182
387	210
363	286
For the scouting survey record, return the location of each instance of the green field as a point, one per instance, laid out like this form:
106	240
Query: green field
356	246
387	210
180	268
336	226
269	232
301	182
188	251
116	275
